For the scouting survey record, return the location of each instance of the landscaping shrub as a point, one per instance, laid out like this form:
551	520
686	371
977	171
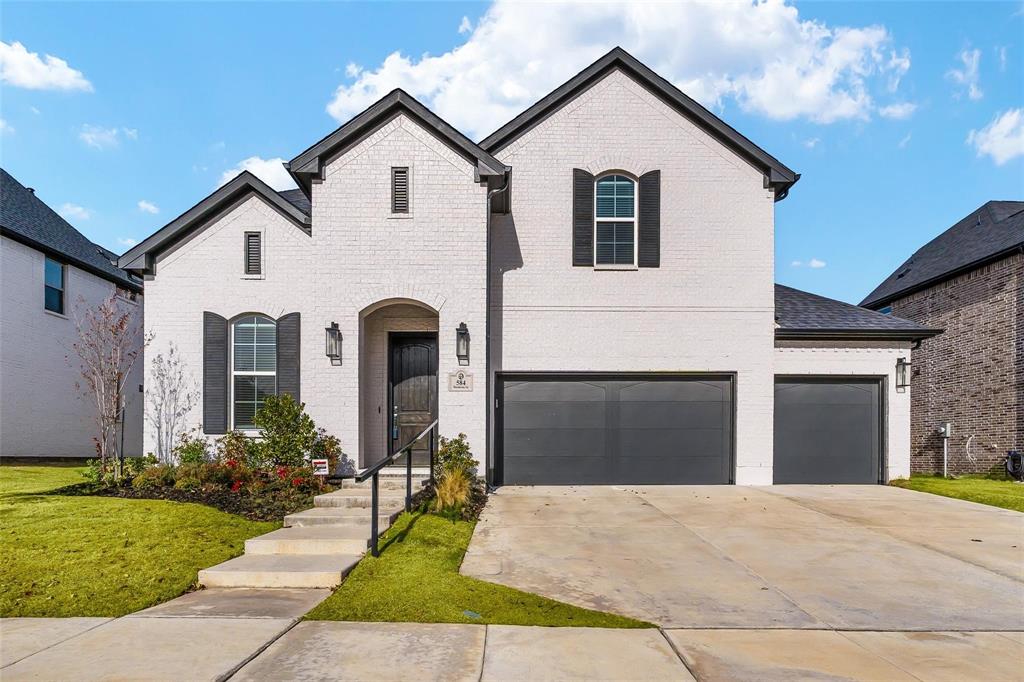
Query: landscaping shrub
288	434
452	492
328	447
452	454
234	445
191	449
156	476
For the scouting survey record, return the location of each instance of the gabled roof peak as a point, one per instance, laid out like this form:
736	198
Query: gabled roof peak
777	175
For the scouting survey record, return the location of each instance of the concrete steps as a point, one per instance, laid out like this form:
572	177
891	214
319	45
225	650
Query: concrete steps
280	570
317	547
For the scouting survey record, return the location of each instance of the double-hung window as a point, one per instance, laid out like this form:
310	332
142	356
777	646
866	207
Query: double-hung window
615	211
54	286
253	368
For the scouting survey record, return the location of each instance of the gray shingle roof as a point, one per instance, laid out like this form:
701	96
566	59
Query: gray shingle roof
26	218
298	199
800	314
994	229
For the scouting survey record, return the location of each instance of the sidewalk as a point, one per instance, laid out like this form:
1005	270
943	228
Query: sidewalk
216	635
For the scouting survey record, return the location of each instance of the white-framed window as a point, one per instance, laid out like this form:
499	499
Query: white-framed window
615	228
253	368
54	285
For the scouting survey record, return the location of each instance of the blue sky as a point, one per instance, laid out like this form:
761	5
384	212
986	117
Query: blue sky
874	103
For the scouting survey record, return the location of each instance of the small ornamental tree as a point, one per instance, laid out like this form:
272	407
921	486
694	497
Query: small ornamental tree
288	433
110	341
170	396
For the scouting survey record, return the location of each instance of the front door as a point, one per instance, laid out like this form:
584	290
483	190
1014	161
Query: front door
413	390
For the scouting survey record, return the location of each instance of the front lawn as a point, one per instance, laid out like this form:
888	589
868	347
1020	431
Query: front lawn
416	579
1005	494
100	556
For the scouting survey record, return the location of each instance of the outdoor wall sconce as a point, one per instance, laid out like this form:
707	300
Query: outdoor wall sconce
333	343
462	343
902	375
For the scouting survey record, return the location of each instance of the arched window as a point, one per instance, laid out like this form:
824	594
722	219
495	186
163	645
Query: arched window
615	220
253	367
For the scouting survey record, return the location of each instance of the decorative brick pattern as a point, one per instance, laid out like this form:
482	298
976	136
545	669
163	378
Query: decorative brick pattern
973	374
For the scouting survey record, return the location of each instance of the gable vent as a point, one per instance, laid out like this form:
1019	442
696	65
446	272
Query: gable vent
399	190
253	253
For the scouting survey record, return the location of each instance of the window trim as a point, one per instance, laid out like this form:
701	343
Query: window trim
635	219
254	431
63	289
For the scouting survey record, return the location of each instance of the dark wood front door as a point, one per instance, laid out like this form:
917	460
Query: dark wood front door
413	389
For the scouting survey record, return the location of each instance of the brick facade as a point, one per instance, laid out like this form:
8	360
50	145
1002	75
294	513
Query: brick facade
973	374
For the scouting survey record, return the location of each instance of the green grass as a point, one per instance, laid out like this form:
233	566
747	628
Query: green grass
102	556
1005	494
416	579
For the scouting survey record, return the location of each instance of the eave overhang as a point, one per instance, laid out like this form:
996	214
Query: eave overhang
856	334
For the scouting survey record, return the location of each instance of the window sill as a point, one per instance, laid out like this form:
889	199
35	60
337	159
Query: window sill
400	216
254	277
616	267
60	315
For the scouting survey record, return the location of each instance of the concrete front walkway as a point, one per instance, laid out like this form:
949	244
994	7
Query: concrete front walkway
788	557
252	649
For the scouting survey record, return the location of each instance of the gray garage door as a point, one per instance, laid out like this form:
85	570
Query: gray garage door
582	429
827	431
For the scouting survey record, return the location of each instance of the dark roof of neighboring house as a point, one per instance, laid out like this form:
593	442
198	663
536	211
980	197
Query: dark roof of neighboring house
310	163
778	175
298	199
241	187
24	217
802	315
988	233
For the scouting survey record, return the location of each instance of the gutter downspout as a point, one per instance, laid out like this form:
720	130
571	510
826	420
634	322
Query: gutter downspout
488	391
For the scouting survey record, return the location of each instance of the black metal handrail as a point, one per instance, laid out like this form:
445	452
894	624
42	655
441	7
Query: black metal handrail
374	471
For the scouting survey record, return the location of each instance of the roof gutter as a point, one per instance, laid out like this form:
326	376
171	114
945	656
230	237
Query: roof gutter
856	334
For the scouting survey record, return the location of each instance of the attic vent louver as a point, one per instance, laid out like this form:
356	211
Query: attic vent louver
253	254
400	190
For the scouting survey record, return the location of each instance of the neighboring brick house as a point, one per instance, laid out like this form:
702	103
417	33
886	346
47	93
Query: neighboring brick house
587	293
968	281
49	272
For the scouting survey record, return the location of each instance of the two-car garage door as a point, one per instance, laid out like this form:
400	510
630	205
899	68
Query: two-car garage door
614	429
678	429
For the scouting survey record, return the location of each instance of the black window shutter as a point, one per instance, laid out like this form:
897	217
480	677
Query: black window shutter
649	229
215	374
582	218
288	355
253	253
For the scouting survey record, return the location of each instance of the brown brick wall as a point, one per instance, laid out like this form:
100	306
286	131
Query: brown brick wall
973	374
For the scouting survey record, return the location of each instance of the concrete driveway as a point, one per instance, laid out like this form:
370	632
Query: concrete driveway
787	557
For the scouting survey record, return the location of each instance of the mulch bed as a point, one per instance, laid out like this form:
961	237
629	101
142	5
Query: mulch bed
266	507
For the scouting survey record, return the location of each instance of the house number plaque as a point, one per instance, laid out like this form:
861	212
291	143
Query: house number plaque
460	381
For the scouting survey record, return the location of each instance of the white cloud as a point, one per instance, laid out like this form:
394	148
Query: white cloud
270	171
811	143
1001	51
34	110
23	69
812	263
797	263
465	26
1002	139
127	242
902	144
148	207
5	127
130	133
74	211
761	55
898	111
967	77
99	137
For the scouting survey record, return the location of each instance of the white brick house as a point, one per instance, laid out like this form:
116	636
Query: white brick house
49	275
609	253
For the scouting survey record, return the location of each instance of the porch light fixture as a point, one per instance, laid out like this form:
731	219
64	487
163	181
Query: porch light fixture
462	343
333	343
902	375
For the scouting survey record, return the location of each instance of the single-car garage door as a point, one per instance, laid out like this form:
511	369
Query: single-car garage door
827	430
608	429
